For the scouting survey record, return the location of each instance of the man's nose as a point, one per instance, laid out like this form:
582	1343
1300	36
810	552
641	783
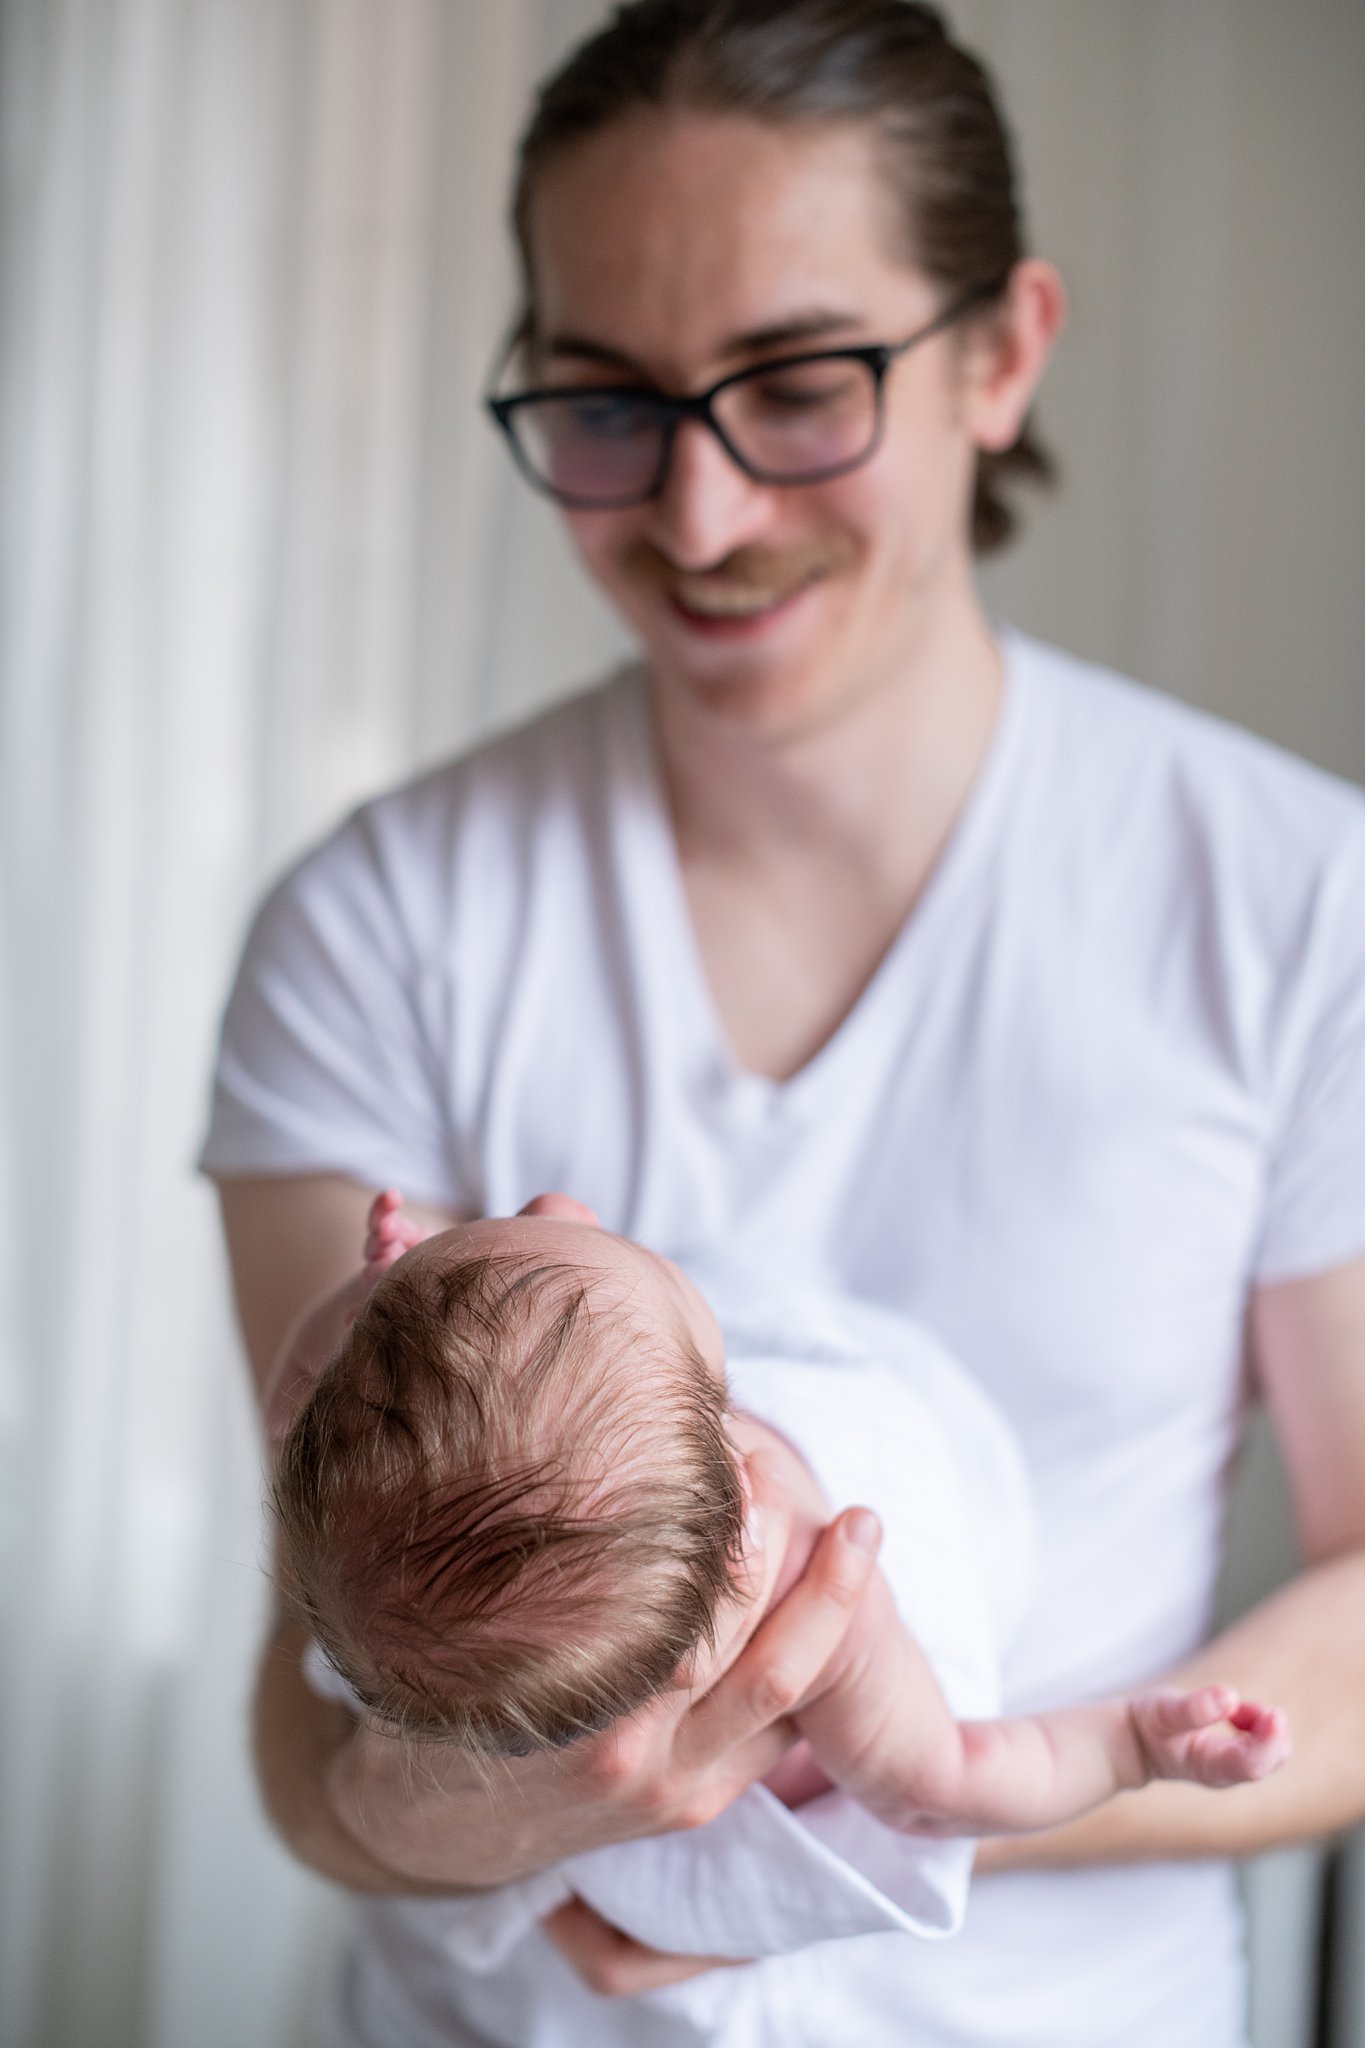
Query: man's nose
708	507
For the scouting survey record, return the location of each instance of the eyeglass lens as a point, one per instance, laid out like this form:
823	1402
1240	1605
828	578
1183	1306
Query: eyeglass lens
790	421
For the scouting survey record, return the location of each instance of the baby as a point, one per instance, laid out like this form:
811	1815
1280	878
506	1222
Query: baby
516	1504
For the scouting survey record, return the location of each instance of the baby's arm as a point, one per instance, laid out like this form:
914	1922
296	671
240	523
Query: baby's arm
881	1728
389	1233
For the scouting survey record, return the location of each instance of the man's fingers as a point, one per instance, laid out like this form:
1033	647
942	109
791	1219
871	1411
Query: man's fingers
790	1648
680	1762
633	1753
610	1962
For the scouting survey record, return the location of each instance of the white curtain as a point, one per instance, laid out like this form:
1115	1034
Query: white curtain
260	554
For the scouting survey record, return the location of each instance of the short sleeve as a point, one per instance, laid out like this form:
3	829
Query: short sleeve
335	1043
1315	1202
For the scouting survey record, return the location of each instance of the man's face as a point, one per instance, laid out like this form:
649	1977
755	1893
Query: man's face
672	250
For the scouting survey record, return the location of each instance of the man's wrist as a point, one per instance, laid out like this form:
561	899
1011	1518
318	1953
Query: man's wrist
452	1837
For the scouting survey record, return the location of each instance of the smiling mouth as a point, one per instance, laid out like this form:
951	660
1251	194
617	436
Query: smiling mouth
716	601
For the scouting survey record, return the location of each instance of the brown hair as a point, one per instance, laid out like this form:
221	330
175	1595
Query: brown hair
889	62
500	1529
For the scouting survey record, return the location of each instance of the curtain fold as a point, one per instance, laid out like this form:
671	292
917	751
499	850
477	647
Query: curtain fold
228	414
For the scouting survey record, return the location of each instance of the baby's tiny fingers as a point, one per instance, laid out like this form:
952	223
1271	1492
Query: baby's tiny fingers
1255	1719
1221	1757
1217	1758
1172	1713
1210	1703
1265	1734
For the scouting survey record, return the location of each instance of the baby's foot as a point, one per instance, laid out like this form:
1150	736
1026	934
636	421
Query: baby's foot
1210	1736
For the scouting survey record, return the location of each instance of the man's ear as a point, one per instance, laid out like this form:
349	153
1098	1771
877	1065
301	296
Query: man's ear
1008	353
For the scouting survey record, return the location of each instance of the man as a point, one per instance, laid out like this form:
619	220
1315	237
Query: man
859	811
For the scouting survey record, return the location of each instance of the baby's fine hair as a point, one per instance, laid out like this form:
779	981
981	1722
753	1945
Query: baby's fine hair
504	1516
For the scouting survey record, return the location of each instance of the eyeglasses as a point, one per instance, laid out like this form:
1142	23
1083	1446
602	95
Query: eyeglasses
795	420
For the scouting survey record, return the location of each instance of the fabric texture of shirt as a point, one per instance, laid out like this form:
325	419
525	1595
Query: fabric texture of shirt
1107	1078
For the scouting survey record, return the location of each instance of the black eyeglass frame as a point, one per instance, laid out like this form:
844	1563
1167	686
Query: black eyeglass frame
671	411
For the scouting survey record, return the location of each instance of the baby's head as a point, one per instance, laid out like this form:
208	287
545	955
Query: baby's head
509	1508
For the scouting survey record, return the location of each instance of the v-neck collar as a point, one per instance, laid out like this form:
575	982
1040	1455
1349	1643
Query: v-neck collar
665	938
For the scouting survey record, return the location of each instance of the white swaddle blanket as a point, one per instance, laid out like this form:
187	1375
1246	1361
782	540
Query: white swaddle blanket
884	1416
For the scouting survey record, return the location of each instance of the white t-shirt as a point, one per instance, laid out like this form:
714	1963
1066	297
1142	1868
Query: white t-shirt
881	1413
1108	1076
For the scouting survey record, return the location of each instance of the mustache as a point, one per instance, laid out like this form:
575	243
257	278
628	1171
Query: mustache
748	571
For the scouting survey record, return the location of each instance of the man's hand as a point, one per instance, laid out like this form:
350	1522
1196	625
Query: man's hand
434	1817
615	1965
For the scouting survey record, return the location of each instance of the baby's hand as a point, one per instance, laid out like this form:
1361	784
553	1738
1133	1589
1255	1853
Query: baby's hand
1211	1736
388	1234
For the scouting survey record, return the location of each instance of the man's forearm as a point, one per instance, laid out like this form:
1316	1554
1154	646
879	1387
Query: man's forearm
1303	1650
368	1813
297	1738
313	1339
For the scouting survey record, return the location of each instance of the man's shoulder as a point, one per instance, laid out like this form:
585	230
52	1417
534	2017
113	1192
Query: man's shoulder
564	748
1128	755
481	803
